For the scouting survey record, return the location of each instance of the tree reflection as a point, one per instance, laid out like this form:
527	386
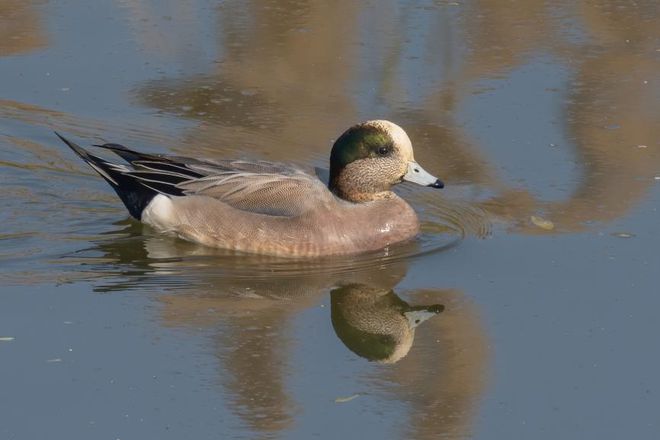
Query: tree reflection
293	74
21	27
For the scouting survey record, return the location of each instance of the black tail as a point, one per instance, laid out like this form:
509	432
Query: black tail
135	193
128	155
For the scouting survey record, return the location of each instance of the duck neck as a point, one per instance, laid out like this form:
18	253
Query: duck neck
351	191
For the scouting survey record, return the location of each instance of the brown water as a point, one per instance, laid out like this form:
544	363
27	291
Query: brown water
543	118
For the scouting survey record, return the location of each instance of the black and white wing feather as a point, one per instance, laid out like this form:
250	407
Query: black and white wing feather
254	186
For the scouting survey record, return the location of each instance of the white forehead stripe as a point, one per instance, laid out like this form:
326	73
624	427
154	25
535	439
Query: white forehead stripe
398	135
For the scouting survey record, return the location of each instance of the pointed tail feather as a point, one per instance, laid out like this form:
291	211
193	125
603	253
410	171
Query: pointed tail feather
99	165
155	162
135	195
127	154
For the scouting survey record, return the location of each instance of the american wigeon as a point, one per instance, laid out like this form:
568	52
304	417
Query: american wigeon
274	209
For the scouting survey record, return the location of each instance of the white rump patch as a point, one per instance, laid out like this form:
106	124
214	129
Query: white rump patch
159	213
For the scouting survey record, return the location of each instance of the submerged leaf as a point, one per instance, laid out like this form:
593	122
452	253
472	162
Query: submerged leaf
623	234
346	399
542	223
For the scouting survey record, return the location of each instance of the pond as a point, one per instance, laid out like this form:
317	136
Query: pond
526	308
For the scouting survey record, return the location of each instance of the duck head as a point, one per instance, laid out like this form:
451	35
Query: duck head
371	157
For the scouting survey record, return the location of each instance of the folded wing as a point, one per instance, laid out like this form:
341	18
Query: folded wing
255	186
265	193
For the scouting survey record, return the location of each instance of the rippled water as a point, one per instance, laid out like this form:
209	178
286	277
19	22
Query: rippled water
533	280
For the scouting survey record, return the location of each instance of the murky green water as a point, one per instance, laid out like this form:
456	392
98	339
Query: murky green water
541	117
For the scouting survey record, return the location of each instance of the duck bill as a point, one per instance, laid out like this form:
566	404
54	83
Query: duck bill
416	317
420	176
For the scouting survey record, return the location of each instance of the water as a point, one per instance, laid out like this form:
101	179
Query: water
540	117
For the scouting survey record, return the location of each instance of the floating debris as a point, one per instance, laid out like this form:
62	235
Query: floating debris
642	146
6	338
346	399
622	234
54	360
542	223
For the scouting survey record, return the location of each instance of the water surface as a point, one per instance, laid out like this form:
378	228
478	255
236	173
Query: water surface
541	117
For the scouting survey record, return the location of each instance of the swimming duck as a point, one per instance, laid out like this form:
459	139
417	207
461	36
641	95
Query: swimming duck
273	209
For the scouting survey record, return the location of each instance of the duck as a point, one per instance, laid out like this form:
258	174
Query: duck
267	208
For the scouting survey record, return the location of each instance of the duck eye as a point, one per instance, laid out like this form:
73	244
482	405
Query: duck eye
383	151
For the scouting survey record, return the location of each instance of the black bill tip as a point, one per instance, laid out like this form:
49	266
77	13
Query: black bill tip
437	184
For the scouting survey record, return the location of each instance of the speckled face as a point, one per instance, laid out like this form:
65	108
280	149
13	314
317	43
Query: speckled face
371	157
373	143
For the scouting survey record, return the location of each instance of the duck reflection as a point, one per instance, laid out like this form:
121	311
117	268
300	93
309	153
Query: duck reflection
376	324
432	355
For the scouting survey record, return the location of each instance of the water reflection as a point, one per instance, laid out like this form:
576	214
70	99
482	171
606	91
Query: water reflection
265	51
443	377
283	79
21	27
611	102
438	357
606	118
376	324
